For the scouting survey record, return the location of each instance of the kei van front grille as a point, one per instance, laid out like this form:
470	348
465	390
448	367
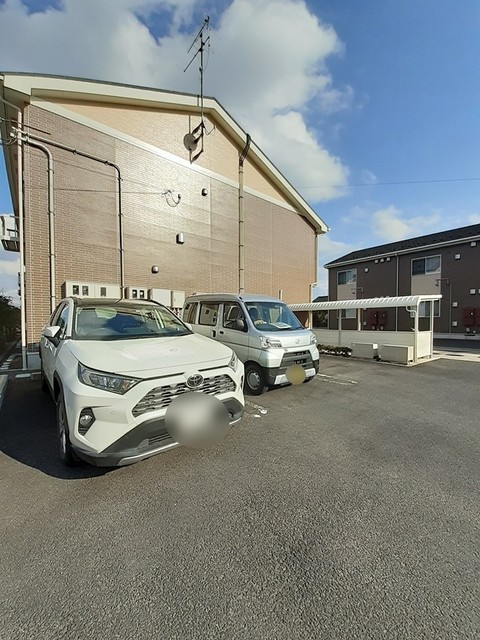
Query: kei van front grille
161	397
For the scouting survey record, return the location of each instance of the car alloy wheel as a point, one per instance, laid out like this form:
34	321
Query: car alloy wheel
66	451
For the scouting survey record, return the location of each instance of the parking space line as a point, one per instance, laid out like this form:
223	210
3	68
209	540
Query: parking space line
327	378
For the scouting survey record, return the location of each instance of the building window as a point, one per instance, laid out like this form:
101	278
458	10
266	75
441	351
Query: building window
424	309
347	314
426	266
320	319
347	277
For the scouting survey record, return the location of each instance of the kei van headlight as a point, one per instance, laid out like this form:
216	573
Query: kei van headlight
269	342
233	364
105	381
313	339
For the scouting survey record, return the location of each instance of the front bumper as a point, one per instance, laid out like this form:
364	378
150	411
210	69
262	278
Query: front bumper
277	375
146	440
130	427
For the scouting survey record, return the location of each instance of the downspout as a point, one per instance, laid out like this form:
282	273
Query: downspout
315	284
82	154
51	219
21	232
396	293
450	310
241	219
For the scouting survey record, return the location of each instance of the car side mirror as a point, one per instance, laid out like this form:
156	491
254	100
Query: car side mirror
189	326
239	324
51	334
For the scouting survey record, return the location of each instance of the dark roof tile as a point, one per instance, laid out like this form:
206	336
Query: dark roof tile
410	243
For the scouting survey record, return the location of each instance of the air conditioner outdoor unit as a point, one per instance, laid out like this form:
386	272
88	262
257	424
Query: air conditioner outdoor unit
163	296
178	299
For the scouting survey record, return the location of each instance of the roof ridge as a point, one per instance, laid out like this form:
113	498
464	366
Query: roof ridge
438	237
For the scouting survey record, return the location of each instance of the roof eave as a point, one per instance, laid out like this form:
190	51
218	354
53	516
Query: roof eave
48	86
426	247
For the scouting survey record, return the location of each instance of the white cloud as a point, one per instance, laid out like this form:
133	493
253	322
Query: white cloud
267	65
328	250
390	224
368	177
8	268
286	138
9	275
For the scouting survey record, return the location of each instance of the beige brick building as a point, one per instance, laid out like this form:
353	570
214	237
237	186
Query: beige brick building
123	186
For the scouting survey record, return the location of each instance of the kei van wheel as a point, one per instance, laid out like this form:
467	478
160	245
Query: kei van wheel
255	379
65	448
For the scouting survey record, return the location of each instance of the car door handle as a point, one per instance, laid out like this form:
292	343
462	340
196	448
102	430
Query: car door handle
214	333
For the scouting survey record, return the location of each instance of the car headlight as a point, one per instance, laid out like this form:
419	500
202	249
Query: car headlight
233	364
313	339
270	342
106	381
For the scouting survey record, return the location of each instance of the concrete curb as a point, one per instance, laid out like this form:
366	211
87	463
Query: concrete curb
3	389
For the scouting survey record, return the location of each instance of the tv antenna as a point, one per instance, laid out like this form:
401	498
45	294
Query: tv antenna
192	139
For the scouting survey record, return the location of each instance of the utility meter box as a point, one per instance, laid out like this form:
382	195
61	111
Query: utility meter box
136	293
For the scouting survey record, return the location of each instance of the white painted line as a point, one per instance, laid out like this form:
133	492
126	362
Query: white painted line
262	410
23	375
335	380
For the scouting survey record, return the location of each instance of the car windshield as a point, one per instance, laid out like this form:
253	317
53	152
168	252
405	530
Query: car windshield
272	316
125	322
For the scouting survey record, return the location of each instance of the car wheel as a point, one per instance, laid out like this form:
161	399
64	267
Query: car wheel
66	451
255	380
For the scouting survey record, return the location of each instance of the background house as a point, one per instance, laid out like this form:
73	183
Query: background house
133	204
447	262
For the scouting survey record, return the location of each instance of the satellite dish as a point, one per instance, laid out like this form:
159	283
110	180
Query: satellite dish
190	142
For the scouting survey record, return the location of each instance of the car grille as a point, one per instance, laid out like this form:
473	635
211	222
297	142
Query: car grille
158	440
303	358
162	397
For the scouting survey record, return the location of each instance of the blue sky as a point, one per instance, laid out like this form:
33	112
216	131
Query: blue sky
337	93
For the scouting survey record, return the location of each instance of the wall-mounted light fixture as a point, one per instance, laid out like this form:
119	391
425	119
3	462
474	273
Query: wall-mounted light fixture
204	192
180	238
154	268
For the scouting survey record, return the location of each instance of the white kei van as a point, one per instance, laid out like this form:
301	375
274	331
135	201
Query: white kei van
264	333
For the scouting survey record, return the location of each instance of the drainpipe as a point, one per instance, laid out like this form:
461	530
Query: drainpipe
21	232
317	249
396	293
51	218
241	219
82	154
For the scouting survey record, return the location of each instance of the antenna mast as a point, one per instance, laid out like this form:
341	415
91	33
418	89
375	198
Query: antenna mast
192	139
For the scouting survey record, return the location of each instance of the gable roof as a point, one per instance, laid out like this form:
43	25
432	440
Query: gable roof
453	236
47	86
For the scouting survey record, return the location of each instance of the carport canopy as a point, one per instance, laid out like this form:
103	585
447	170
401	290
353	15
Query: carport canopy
410	302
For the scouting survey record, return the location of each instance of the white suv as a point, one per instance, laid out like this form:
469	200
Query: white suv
115	366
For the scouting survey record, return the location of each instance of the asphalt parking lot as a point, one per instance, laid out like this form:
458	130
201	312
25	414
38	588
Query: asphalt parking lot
344	508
